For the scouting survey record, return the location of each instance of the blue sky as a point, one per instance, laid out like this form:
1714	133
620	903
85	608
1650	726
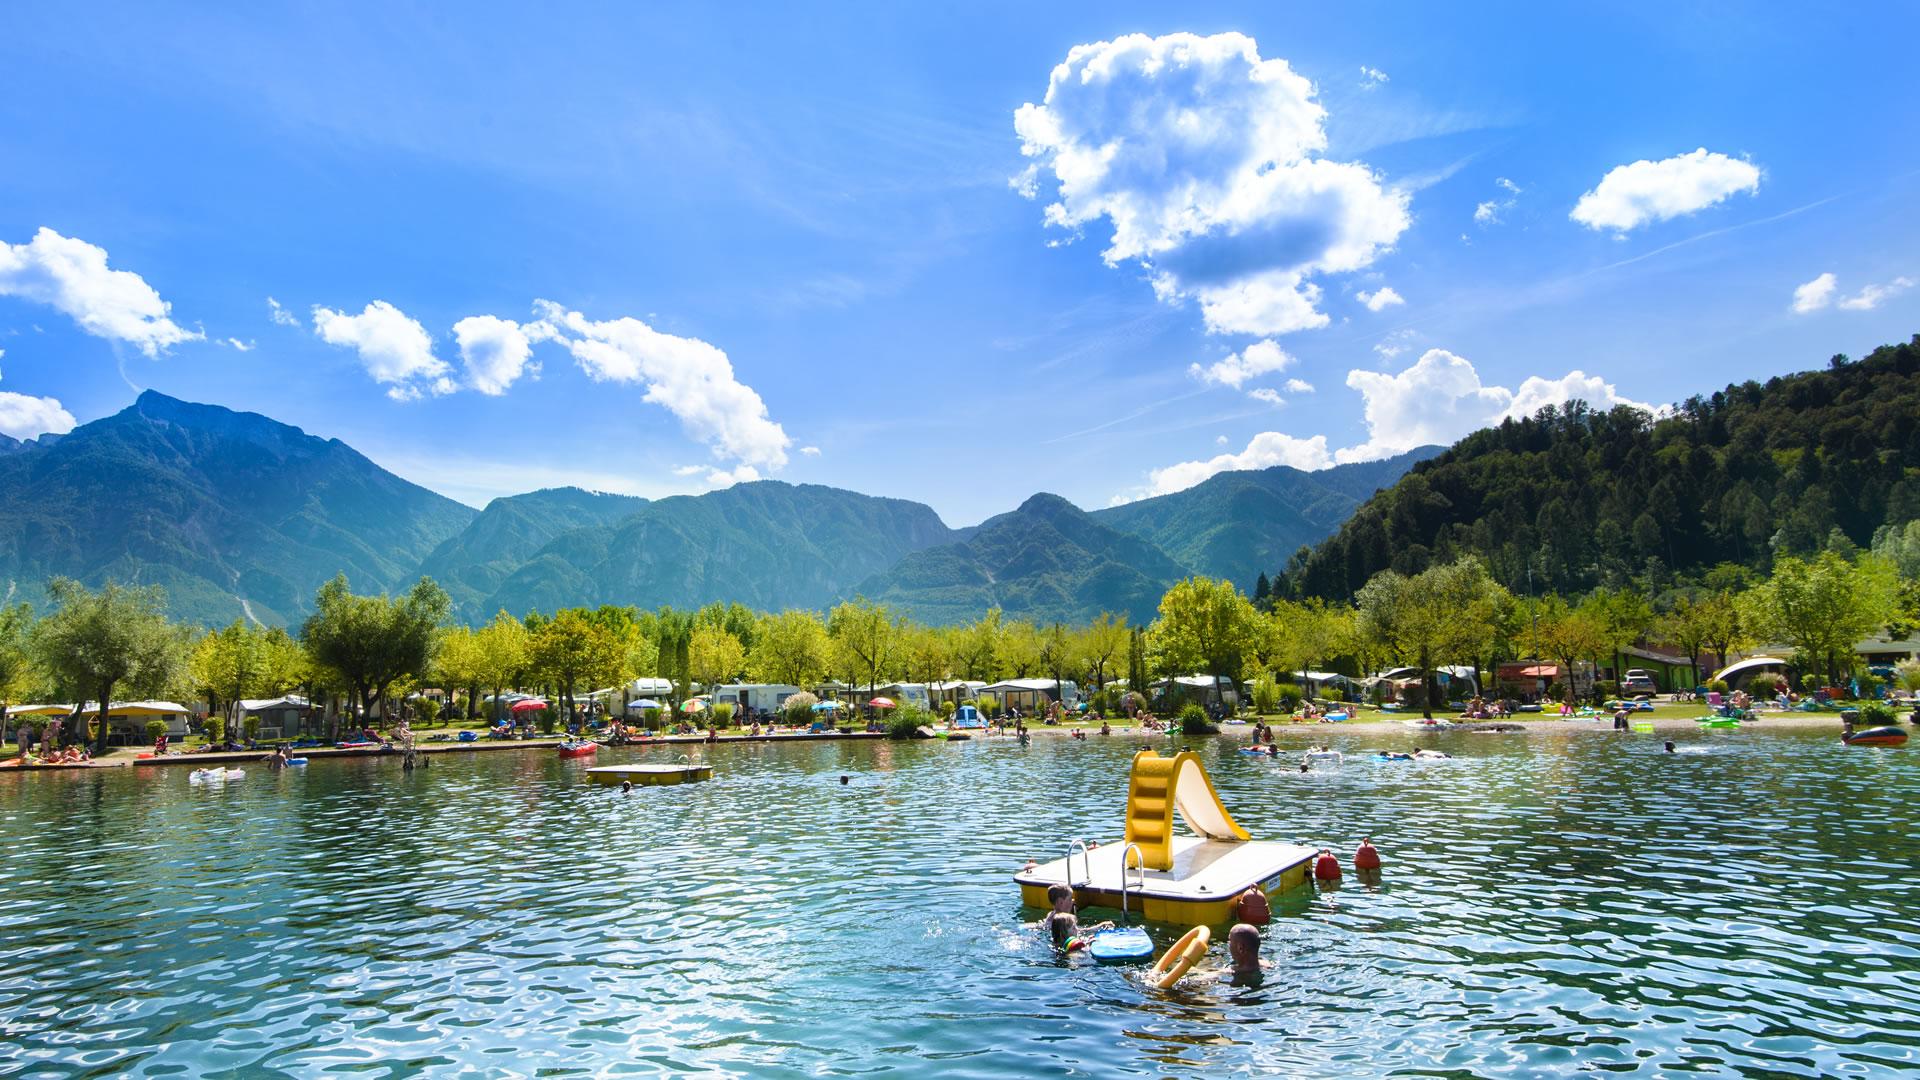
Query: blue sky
792	242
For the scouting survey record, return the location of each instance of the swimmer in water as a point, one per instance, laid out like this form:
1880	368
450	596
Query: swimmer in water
1243	949
1670	748
626	787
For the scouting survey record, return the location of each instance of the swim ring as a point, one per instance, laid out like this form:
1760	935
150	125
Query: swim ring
1174	964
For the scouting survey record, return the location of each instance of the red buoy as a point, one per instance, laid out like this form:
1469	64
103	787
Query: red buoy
1367	857
1326	867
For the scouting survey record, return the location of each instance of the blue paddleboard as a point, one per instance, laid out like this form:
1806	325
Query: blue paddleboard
1121	945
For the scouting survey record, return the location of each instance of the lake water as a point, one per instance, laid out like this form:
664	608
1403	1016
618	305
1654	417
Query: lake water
1550	905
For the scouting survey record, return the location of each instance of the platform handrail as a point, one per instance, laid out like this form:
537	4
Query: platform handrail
1124	863
1086	860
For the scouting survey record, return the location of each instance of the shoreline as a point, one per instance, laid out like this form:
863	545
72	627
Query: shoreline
1283	731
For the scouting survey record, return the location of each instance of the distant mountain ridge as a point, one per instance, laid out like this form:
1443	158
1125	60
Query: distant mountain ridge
229	511
1047	560
238	515
1239	525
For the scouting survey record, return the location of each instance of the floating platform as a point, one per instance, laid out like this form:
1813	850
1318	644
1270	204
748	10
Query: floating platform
650	774
1188	880
1206	878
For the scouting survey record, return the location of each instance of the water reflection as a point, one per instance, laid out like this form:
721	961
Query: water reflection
1546	905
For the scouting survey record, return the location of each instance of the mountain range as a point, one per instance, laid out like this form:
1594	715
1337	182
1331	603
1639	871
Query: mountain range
239	516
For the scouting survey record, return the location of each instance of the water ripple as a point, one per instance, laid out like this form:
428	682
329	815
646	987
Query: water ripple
1550	905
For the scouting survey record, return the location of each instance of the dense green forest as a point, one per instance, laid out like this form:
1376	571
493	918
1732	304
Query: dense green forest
1582	499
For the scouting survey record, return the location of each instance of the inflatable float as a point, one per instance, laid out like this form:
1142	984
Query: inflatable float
295	761
1164	875
1122	945
1876	736
1174	964
215	776
578	749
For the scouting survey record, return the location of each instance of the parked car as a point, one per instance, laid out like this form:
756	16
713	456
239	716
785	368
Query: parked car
1638	681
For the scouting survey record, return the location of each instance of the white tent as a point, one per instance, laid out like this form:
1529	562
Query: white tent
1746	669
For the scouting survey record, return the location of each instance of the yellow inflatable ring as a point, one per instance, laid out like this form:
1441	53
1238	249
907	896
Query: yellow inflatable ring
1174	964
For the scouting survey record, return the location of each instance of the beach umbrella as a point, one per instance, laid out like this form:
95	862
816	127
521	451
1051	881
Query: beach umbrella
527	705
643	703
693	705
882	703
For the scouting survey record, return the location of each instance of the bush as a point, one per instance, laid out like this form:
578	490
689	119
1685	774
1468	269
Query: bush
1718	686
545	719
250	727
797	709
1193	721
906	721
1877	714
1290	696
722	714
216	730
650	719
1809	683
1265	696
1906	674
155	729
989	705
426	710
1333	693
946	708
1607	688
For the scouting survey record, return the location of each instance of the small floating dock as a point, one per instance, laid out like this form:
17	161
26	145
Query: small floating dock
650	774
1185	880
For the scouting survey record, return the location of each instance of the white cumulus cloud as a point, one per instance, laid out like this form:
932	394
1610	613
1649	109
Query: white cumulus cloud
1869	298
1201	155
688	377
1257	359
71	276
496	351
396	351
1271	397
1382	298
237	345
1642	192
1265	450
1299	386
810	451
24	416
281	316
1441	398
1815	294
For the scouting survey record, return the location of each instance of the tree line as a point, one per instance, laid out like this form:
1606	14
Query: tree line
366	652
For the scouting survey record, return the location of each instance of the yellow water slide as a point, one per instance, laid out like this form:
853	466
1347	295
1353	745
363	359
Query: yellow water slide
1157	787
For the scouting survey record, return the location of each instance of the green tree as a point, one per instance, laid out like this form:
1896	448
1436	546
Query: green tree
1204	625
118	636
1823	606
791	648
375	641
1102	644
864	637
1564	634
977	646
1622	615
16	661
714	655
501	649
1444	613
571	650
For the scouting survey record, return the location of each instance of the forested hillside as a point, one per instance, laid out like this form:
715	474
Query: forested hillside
1582	498
1237	525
